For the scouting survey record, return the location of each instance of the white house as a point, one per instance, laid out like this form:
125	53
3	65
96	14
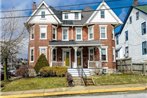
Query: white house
131	41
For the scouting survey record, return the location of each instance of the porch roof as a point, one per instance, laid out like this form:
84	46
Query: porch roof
75	43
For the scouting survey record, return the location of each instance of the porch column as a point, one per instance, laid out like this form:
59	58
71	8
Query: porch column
51	55
100	52
75	63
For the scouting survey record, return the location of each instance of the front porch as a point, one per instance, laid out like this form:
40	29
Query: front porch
76	55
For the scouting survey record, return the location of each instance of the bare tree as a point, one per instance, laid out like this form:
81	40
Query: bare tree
12	36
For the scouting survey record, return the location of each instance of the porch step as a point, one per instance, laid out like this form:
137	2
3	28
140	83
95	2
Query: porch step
88	81
78	72
78	81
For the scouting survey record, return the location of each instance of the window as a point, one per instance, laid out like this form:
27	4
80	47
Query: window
54	33
143	27
66	16
65	34
103	33
78	34
126	36
43	50
102	14
32	54
144	48
43	32
32	33
90	33
127	51
76	15
54	55
137	15
91	54
117	39
104	54
42	14
130	19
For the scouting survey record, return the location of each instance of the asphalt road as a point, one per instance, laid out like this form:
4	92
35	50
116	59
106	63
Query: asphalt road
108	95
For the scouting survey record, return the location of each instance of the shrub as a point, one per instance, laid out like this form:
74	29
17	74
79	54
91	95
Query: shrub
22	71
58	71
41	62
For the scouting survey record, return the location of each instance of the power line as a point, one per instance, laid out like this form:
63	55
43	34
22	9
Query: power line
62	6
67	12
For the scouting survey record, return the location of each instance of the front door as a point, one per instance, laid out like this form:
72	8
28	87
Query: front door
79	58
66	58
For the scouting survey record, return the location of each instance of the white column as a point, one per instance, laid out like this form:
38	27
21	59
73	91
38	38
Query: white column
51	55
100	52
75	64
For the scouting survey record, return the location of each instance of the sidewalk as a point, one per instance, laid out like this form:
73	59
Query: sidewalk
74	90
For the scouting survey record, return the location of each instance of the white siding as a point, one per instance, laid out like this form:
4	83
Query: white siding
135	38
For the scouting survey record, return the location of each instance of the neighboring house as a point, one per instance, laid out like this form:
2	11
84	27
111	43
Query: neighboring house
131	42
73	38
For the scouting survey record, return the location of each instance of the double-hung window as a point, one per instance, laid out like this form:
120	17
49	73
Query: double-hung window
91	54
43	31
144	48
78	34
130	19
90	33
42	14
103	32
126	51
43	50
143	27
32	33
31	54
102	13
137	15
54	54
66	16
126	36
104	54
76	15
54	33
117	39
65	34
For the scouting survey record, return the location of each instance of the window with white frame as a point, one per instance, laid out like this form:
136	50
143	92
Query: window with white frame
31	54
91	54
117	39
54	33
65	34
90	33
54	54
144	48
65	15
43	50
76	15
126	51
104	54
130	19
126	35
103	32
78	34
43	32
102	13
42	14
137	15
32	33
143	28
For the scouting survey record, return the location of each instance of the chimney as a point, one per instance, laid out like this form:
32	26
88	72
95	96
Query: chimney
135	3
34	6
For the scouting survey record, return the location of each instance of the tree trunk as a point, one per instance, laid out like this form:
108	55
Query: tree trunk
5	70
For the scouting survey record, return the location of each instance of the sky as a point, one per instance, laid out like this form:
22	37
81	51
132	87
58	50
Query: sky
27	4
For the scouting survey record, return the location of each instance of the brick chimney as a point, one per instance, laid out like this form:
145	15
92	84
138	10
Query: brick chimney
34	6
135	3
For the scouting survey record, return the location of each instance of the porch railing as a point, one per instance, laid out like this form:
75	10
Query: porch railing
57	63
94	64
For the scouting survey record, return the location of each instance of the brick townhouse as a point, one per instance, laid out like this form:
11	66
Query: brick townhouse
73	38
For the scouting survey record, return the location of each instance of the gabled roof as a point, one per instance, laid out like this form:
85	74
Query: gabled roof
107	7
50	9
142	8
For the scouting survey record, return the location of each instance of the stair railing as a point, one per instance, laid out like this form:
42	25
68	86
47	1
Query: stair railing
84	76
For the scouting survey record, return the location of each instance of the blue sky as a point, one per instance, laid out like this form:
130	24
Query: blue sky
27	4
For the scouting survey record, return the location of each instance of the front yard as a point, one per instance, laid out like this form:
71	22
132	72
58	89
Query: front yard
56	82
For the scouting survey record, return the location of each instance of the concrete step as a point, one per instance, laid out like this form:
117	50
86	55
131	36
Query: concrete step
78	72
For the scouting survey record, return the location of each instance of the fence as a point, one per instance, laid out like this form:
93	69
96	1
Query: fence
126	66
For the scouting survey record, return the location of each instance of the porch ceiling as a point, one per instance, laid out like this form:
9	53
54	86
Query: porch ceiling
75	43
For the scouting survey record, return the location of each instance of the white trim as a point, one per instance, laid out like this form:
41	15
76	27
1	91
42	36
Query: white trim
67	33
44	26
89	48
32	31
79	33
105	26
107	7
77	45
113	37
66	50
114	55
32	48
43	2
43	47
92	33
104	47
54	27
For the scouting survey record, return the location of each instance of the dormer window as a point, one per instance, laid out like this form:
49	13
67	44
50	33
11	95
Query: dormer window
43	14
76	15
66	16
102	14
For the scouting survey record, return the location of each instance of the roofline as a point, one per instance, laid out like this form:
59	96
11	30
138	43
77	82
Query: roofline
140	10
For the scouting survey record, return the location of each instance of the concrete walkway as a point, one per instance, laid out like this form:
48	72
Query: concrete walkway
74	90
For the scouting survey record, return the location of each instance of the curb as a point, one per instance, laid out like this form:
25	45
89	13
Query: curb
77	92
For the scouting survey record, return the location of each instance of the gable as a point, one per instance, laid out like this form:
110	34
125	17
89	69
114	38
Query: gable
110	16
50	17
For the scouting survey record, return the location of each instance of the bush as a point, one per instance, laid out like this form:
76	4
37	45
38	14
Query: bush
22	71
58	71
41	62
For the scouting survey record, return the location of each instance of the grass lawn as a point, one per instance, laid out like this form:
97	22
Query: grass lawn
35	83
119	79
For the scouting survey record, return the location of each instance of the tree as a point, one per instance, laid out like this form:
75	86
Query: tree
41	62
12	36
